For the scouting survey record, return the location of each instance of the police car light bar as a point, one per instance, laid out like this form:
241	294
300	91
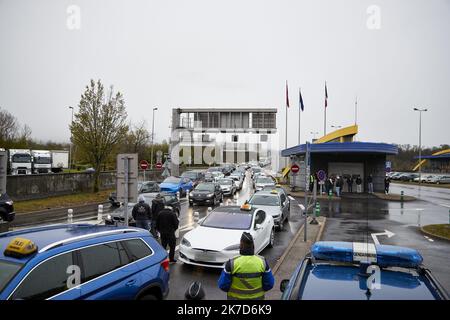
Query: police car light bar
381	255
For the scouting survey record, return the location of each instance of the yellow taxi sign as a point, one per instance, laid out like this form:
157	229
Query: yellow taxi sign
20	247
274	191
246	206
278	185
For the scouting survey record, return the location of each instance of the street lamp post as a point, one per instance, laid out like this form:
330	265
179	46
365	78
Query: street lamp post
70	146
420	142
153	133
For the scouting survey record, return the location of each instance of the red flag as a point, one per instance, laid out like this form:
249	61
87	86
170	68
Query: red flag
287	95
326	95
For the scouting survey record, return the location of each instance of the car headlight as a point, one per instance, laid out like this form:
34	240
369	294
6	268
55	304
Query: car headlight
233	247
185	243
210	195
191	194
108	217
9	203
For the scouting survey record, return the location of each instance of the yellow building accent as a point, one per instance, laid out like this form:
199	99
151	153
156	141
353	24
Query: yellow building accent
341	135
421	163
286	171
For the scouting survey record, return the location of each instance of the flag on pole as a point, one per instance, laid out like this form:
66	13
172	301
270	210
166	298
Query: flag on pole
301	100
287	95
326	95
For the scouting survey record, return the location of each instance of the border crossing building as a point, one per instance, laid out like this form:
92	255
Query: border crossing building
337	154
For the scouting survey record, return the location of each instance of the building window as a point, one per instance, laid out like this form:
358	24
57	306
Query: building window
234	138
264	138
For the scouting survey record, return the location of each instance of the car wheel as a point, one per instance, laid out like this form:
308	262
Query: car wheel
272	239
281	225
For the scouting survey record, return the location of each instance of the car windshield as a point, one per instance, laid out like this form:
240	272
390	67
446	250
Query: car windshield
264	180
225	181
172	180
214	169
7	271
191	175
256	170
264	200
148	187
21	158
42	160
205	187
228	220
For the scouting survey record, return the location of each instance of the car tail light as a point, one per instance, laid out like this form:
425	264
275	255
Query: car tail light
165	264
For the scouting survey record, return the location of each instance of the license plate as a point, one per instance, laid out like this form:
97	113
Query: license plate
204	256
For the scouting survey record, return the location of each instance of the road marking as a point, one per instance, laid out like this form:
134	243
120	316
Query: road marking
385	233
428	238
444	205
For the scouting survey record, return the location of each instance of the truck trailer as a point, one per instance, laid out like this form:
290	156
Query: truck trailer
60	160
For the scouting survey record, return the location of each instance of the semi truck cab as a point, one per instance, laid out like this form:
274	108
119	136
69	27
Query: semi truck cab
20	161
42	161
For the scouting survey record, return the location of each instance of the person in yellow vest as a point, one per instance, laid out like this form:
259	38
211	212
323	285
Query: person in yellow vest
247	276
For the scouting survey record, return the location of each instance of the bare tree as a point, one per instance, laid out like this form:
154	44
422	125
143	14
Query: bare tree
99	125
138	137
8	126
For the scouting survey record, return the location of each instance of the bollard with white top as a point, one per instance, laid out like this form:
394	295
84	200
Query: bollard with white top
100	213
70	216
209	210
196	217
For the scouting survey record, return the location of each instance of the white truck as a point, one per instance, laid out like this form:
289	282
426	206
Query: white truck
60	160
19	161
42	161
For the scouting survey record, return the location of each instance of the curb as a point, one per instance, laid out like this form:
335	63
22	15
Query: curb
291	244
83	206
433	235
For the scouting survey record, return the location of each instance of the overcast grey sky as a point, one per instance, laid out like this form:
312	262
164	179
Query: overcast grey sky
233	53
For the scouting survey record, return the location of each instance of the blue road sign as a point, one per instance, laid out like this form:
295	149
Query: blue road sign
321	175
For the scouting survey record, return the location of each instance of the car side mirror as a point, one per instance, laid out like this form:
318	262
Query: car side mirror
283	285
258	226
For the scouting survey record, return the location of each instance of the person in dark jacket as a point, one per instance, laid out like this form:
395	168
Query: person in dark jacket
370	183
387	181
358	182
247	276
142	214
157	206
167	223
350	184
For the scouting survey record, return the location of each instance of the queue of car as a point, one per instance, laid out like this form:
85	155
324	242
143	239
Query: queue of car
431	178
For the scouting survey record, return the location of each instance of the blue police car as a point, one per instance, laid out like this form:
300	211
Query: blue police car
354	271
82	261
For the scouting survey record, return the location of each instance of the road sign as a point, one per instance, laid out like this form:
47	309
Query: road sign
321	175
388	166
158	165
295	168
143	164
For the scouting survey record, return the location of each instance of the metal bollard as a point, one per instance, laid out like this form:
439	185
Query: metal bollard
401	195
418	219
100	213
70	216
178	195
316	214
196	217
209	210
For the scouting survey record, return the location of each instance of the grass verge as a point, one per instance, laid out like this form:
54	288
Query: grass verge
76	199
438	230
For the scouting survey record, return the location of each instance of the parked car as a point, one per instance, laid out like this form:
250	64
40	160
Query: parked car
217	237
228	187
6	208
408	176
143	187
217	175
177	184
117	216
338	267
263	181
196	176
443	180
423	178
111	263
206	193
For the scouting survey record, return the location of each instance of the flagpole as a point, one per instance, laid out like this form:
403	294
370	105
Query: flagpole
356	110
325	111
299	118
287	106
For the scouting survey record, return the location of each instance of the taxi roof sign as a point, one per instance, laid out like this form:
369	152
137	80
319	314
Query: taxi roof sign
246	206
19	247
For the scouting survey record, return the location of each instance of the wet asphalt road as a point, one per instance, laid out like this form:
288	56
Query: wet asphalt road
182	275
356	219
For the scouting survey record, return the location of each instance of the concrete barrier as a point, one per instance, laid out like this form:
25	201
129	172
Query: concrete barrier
27	187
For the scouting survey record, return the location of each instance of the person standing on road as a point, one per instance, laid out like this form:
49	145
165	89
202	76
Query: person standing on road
142	214
350	184
358	184
311	183
387	181
370	183
157	206
247	276
339	184
167	223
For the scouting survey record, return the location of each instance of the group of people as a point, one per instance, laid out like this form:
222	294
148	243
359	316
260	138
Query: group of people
157	219
336	184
